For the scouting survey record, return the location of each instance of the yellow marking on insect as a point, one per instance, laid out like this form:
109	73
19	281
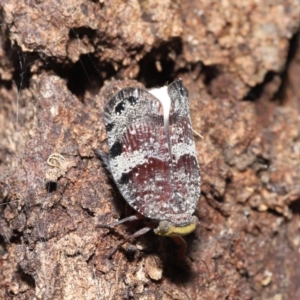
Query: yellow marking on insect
176	230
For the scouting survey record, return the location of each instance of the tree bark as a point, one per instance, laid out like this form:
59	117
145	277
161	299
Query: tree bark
240	62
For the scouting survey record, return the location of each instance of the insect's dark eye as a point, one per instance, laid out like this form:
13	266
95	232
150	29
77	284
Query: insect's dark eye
132	100
120	108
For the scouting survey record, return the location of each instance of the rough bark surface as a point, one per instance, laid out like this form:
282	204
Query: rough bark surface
240	63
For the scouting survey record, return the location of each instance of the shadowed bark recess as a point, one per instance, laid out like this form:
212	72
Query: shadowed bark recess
240	62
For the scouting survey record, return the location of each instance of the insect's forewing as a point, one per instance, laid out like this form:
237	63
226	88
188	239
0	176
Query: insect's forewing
183	152
139	157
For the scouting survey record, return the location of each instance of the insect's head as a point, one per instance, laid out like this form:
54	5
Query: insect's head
168	228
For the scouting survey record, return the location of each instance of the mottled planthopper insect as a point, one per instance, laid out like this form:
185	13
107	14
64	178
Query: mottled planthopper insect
152	158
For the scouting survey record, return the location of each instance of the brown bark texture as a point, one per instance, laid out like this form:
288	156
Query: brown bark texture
240	61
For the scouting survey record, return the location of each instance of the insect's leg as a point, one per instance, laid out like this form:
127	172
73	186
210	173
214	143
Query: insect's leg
128	219
129	239
104	157
182	246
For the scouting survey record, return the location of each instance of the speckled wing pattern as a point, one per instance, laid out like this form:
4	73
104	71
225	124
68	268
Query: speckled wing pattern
153	160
